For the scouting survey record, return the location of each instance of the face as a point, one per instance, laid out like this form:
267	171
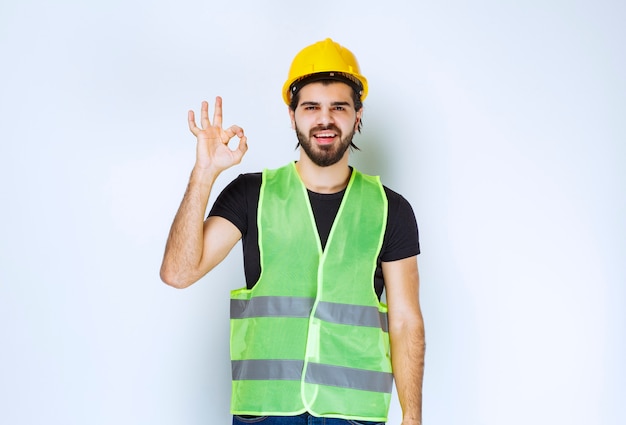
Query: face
325	121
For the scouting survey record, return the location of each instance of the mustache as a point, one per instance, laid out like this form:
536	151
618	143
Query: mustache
318	128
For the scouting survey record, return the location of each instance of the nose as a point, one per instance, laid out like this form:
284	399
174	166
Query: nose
325	116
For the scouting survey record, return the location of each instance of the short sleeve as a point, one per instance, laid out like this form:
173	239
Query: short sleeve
402	235
234	201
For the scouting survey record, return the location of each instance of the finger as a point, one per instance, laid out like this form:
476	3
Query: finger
234	130
242	148
205	115
217	114
243	145
191	119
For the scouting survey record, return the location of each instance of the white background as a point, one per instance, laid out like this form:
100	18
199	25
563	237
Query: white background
502	122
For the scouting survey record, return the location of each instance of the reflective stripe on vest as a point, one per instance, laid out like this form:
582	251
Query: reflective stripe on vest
271	307
291	370
346	314
311	335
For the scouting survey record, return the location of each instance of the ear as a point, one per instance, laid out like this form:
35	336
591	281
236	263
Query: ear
292	117
359	113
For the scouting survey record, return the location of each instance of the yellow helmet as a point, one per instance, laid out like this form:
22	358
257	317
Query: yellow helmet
320	61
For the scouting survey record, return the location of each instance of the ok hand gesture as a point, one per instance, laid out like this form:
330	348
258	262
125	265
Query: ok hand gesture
212	151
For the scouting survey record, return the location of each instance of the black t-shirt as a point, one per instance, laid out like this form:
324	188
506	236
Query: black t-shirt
238	204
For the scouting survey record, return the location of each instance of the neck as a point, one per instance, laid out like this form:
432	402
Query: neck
331	179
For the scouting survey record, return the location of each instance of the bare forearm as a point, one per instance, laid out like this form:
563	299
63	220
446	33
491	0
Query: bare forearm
407	355
188	256
184	248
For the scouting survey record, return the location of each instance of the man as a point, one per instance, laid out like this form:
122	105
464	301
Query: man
310	340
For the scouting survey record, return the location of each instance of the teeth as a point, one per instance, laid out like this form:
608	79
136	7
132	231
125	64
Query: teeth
325	135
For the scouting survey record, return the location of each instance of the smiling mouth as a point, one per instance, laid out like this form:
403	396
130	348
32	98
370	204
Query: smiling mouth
325	135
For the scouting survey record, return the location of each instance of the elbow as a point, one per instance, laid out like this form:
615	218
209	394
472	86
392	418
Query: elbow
174	279
179	274
411	334
410	324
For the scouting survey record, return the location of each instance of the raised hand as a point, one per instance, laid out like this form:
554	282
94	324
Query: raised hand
212	151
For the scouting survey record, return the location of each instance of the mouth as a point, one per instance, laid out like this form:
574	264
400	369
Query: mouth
325	137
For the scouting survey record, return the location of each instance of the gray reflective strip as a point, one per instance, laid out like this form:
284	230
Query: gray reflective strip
350	314
345	377
271	307
254	370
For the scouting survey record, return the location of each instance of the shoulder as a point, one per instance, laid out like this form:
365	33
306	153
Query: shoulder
402	234
398	203
247	180
242	186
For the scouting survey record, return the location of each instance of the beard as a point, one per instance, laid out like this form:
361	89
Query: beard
324	155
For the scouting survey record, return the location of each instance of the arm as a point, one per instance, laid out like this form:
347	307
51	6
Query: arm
195	246
406	332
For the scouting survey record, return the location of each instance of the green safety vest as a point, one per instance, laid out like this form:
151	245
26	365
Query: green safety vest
311	335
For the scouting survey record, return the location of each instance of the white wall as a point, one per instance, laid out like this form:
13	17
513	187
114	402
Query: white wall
501	122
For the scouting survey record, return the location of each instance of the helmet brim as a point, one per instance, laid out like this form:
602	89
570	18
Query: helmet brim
348	79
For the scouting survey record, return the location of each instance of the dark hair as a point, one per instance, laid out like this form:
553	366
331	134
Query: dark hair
356	95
